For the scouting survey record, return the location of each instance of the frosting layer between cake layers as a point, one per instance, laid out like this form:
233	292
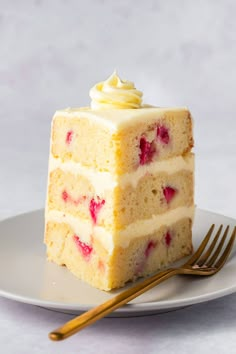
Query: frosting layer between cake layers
85	229
103	181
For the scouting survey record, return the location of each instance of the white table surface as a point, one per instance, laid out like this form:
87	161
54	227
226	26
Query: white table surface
178	53
204	328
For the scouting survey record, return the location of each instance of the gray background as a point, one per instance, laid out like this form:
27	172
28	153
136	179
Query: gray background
178	53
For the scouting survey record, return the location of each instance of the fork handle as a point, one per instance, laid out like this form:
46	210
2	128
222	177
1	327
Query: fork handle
87	318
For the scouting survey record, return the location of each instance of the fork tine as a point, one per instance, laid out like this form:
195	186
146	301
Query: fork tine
219	264
212	260
201	248
203	259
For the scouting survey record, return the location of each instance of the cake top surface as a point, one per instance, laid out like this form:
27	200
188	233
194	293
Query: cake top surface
117	118
117	103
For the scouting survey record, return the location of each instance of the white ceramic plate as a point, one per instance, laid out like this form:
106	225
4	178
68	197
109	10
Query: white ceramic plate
26	275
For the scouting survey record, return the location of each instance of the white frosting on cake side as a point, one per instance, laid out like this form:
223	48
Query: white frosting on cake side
103	181
84	228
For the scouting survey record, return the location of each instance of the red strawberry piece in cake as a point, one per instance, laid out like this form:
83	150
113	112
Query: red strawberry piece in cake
163	134
151	245
83	247
142	262
95	207
168	238
65	196
147	150
68	198
69	137
169	193
79	200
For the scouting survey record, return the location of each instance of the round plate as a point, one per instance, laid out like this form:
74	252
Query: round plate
26	275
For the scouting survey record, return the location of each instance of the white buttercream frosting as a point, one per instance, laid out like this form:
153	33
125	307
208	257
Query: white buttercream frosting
116	119
84	229
115	93
103	181
149	226
169	166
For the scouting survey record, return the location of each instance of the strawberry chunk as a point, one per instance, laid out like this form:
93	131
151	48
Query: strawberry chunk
151	245
147	150
168	239
163	134
68	198
69	137
169	193
95	207
65	196
83	247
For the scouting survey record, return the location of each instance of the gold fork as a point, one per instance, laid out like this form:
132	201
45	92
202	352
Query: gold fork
201	263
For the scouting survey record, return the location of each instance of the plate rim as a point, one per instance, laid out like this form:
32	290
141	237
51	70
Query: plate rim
128	308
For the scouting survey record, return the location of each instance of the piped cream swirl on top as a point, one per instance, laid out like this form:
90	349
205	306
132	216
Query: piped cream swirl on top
115	93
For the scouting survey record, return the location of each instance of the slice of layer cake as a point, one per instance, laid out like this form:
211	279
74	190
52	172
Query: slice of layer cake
120	191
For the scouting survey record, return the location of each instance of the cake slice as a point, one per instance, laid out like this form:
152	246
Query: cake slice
120	189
